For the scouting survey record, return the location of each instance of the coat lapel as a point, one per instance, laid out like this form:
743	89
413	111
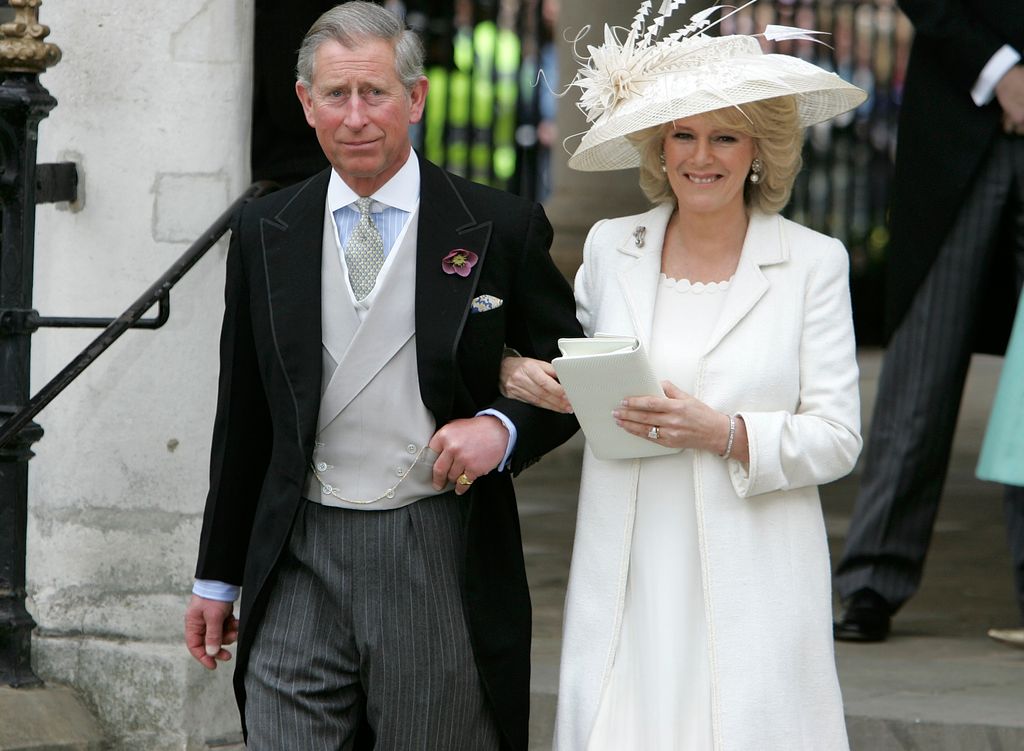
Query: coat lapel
442	300
291	251
762	246
638	280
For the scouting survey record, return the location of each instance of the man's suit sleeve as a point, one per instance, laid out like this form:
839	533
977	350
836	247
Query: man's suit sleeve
962	42
542	311
241	433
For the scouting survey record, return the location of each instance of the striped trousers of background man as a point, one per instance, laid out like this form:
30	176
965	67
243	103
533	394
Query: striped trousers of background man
919	392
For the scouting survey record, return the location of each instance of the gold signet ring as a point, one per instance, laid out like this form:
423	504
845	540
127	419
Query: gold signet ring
463	480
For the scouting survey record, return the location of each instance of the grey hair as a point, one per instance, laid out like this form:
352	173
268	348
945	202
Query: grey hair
354	23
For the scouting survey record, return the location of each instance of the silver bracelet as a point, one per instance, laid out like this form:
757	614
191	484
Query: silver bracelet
732	435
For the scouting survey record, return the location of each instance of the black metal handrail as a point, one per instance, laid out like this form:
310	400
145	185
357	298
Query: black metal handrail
29	321
158	292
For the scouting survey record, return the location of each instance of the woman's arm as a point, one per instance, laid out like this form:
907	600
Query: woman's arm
820	440
684	422
534	382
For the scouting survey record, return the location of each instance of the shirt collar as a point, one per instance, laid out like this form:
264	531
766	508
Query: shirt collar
401	192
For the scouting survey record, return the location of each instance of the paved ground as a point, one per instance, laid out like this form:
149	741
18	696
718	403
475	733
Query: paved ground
939	683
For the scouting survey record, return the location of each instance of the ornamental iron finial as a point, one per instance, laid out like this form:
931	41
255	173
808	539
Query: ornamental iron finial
22	48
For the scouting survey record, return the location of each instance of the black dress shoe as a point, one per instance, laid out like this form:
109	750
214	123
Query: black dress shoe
866	618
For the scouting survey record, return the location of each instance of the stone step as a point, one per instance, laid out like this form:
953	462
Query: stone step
983	714
48	718
922	691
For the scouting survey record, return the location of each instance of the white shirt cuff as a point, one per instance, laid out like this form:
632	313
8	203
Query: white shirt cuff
512	434
215	590
997	66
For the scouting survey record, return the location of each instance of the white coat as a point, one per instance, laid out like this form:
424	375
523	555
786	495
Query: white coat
782	356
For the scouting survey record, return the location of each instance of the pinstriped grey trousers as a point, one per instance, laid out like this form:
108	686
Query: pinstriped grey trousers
365	623
919	392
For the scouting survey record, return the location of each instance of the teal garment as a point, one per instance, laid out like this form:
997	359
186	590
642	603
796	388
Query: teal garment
1002	451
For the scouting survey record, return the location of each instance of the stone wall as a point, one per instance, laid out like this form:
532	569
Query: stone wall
154	108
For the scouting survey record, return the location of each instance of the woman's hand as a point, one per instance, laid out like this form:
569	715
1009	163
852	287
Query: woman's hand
534	382
682	422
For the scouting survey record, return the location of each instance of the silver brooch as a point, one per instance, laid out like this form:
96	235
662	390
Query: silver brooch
638	236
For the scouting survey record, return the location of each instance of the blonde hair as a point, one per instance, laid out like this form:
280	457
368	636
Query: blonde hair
774	124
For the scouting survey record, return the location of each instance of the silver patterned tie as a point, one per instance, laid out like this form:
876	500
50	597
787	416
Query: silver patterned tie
364	251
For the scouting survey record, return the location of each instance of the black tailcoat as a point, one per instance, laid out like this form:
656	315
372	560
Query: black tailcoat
270	385
943	140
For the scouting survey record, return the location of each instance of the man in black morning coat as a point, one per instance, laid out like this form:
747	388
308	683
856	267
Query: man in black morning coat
956	261
366	612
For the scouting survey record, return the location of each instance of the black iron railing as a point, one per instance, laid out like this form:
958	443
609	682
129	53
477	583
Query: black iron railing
24	103
12	321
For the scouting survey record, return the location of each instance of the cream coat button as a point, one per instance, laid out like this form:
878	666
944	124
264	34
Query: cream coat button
390	493
400	472
322	466
328	489
411	448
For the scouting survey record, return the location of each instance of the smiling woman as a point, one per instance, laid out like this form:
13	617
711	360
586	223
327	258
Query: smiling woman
746	320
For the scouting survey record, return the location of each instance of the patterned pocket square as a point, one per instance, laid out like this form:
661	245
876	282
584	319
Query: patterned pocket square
483	303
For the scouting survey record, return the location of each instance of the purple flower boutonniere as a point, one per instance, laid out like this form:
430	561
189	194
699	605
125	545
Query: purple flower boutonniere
460	261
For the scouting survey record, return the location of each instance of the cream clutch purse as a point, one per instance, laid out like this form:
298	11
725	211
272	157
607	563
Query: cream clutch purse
597	374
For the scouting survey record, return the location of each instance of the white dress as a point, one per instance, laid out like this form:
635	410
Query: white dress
659	691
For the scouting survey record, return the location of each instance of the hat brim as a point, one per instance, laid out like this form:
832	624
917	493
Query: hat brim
820	96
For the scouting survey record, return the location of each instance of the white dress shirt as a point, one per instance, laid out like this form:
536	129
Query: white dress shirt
997	67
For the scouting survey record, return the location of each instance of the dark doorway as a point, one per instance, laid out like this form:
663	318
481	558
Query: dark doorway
284	147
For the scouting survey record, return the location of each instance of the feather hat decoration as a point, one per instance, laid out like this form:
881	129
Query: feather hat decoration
639	81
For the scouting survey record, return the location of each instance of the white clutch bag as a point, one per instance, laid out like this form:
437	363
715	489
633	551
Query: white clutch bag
597	375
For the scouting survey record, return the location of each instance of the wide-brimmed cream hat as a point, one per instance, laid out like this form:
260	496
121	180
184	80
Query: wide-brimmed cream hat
638	83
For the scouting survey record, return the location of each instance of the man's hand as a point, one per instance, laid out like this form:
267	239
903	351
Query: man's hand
1010	93
470	447
209	625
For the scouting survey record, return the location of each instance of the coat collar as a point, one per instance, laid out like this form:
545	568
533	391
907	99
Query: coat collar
291	243
639	279
764	245
443	300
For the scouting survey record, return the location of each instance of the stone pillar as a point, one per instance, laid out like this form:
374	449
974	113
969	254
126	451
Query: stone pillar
579	199
154	109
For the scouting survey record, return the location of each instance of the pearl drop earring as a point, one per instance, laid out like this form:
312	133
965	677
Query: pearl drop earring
756	167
